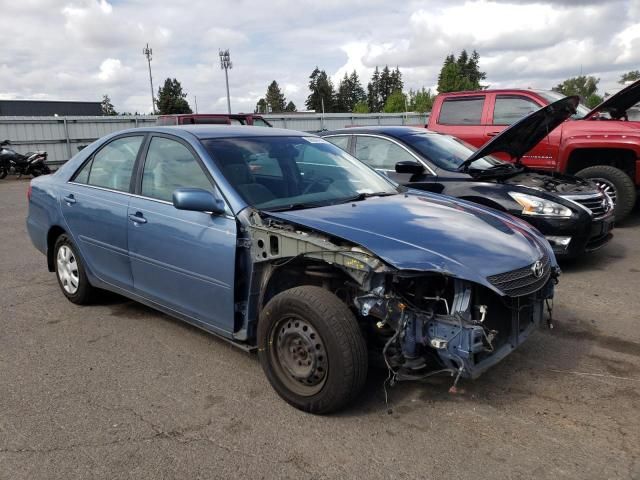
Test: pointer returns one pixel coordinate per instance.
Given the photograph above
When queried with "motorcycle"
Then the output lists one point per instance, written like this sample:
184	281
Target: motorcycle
31	163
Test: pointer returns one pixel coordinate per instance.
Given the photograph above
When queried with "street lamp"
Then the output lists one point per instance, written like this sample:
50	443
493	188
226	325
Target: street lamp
225	64
147	53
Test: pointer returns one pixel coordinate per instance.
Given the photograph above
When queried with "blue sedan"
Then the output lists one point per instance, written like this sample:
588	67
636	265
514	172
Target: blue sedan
281	241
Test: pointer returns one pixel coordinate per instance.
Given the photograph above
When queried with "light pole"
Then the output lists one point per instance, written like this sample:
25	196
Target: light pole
147	53
225	64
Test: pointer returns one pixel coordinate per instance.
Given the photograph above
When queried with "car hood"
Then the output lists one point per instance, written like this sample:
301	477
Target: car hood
525	134
426	232
618	104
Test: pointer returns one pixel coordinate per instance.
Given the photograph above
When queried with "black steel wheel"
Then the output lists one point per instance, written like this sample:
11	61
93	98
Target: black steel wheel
311	349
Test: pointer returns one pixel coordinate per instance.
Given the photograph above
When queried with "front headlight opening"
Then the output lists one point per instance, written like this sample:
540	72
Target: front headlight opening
532	205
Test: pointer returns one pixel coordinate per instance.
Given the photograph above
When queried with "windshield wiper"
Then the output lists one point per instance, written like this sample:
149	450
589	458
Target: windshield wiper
364	196
294	206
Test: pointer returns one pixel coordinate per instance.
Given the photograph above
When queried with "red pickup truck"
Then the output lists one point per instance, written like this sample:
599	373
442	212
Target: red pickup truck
601	144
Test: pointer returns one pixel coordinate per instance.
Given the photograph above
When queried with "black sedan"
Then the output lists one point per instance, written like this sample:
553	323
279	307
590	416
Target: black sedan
574	215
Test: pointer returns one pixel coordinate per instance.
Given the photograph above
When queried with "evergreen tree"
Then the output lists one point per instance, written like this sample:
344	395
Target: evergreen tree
462	73
357	92
171	98
386	87
396	80
107	106
275	98
291	107
321	89
373	92
343	95
261	106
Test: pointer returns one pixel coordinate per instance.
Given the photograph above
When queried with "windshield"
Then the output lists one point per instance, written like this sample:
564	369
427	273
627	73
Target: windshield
447	152
551	96
294	172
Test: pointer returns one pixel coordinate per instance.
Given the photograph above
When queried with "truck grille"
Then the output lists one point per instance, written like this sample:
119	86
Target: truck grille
521	282
596	203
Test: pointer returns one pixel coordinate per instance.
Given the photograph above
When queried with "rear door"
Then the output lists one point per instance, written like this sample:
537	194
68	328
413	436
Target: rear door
382	153
94	205
464	117
182	260
508	109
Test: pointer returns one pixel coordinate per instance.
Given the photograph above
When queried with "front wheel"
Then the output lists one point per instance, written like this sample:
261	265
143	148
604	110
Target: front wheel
617	184
3	173
312	350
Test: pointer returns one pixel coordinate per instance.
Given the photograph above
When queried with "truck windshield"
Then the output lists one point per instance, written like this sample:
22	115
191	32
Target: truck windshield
447	152
279	173
551	96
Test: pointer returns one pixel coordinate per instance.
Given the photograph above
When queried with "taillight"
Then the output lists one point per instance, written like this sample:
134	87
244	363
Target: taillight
29	192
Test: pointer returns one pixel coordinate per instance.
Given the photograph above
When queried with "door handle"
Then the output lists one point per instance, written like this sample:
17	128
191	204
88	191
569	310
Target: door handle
70	199
492	134
137	218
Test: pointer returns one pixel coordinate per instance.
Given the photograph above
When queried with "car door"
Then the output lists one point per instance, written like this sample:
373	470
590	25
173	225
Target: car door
464	117
94	205
382	153
508	109
180	259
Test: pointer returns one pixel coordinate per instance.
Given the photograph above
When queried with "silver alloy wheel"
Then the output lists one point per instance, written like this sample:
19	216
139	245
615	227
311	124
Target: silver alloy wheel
607	187
68	270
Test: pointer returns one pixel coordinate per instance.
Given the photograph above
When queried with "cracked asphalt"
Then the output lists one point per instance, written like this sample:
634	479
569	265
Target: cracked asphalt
117	391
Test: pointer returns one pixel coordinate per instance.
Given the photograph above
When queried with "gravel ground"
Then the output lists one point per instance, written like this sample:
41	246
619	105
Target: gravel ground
117	390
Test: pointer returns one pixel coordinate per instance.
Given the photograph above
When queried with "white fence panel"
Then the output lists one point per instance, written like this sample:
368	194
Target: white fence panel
61	136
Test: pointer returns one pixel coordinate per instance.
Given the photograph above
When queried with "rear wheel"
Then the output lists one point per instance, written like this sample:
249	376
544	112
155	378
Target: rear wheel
70	272
312	350
617	184
3	173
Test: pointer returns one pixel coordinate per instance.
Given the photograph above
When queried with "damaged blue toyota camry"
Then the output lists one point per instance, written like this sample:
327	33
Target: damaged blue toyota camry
279	241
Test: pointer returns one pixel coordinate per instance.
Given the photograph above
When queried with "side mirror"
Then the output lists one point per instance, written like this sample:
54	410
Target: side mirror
197	200
414	168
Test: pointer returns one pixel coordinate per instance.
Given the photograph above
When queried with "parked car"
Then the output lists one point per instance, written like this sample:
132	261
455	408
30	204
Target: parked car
601	144
312	261
573	214
213	119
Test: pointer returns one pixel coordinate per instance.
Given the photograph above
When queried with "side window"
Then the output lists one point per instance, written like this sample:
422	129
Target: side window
340	141
380	153
170	165
508	110
258	122
112	166
461	111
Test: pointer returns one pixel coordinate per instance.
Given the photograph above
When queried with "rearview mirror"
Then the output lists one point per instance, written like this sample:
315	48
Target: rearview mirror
197	200
414	168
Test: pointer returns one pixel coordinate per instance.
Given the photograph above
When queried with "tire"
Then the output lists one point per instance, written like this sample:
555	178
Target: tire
619	181
312	327
3	173
70	270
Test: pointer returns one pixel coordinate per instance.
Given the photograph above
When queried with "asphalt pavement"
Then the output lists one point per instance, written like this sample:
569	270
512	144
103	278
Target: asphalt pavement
118	390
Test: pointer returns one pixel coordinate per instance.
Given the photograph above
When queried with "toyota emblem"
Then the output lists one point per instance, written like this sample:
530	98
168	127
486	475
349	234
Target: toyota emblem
537	269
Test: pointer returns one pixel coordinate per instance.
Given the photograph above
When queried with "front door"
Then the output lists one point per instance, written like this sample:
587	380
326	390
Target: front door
182	260
94	205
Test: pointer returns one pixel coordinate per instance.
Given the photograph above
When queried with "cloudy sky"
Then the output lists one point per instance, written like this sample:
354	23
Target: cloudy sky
82	49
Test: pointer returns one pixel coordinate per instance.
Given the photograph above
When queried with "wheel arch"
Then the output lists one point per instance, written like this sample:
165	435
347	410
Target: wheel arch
52	235
621	158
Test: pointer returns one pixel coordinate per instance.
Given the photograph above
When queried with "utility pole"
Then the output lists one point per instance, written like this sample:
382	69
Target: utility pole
147	53
225	64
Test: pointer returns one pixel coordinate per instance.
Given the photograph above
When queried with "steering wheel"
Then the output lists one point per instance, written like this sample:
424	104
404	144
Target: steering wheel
321	181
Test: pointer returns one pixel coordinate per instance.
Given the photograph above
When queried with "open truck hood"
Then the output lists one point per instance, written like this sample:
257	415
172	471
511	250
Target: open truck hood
618	104
525	134
426	232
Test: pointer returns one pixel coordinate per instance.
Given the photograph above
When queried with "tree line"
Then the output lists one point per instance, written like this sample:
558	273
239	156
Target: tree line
383	93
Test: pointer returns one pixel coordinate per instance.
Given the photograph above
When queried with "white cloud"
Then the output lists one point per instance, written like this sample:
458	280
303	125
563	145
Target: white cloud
82	49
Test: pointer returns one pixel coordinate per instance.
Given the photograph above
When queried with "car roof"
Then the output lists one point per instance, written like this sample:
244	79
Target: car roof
394	131
206	131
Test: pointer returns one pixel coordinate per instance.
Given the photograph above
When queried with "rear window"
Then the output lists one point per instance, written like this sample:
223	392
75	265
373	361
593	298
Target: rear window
461	111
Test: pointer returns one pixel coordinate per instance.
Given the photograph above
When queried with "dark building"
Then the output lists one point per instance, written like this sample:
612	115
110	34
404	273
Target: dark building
47	108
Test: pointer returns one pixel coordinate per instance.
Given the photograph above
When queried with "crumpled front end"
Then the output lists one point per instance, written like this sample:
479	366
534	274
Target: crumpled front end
430	324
